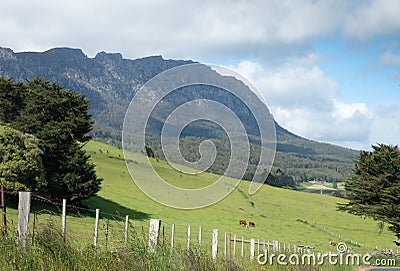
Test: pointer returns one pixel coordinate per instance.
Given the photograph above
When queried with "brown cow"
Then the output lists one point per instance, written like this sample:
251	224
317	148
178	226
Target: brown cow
334	244
243	222
252	224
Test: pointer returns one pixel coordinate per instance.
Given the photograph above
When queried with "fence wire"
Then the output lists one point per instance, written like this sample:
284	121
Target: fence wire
46	222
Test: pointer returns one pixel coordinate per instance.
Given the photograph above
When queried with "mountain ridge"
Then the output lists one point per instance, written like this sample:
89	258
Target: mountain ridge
110	81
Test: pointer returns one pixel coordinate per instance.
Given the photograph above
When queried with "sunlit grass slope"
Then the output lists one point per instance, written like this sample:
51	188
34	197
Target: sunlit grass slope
276	212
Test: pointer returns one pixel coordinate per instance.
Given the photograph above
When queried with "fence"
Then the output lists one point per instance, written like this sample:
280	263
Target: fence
113	231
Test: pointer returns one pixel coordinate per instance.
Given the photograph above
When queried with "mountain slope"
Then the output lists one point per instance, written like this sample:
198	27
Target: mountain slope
110	82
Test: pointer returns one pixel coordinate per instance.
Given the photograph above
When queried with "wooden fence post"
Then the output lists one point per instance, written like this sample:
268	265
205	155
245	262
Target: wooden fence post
33	228
154	232
242	246
276	246
96	227
200	237
126	227
188	238
225	245
64	219
252	249
24	206
214	244
172	235
234	244
163	236
229	245
107	225
3	210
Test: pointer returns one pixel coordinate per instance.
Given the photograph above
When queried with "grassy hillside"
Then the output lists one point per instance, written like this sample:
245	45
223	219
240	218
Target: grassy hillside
279	214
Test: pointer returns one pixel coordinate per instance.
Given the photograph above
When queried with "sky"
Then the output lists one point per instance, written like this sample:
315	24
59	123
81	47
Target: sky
329	70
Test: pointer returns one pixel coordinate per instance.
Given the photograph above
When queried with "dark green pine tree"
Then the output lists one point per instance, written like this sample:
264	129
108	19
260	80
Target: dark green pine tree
59	119
375	186
11	99
76	179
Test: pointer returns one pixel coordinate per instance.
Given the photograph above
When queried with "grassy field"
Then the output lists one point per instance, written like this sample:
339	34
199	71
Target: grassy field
288	216
276	212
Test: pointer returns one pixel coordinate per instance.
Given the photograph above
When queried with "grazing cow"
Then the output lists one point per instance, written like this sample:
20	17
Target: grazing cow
243	222
301	249
334	244
252	224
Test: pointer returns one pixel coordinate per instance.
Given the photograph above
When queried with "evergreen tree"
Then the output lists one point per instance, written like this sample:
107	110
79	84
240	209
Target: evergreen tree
11	99
149	152
375	186
59	119
280	179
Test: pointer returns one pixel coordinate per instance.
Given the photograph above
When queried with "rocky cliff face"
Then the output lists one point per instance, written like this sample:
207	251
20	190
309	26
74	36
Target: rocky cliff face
109	81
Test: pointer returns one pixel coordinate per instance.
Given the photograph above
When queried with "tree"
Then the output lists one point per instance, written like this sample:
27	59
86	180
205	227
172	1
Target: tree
21	166
11	100
59	119
76	178
279	179
375	186
149	152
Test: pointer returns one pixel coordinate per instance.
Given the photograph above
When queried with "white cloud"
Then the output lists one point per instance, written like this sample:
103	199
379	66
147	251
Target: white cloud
306	101
294	83
386	125
177	28
379	17
203	30
345	111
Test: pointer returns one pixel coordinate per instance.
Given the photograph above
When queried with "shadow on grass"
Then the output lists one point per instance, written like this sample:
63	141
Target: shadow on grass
108	208
112	210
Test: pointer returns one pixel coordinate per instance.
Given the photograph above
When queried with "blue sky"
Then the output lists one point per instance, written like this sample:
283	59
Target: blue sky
329	70
359	70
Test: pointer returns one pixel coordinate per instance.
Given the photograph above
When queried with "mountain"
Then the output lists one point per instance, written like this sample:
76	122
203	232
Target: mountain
110	82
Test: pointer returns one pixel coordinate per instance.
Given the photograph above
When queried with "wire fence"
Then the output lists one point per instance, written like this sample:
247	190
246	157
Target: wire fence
113	231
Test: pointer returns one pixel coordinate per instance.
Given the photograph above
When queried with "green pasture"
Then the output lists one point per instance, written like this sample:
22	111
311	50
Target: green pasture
274	211
288	216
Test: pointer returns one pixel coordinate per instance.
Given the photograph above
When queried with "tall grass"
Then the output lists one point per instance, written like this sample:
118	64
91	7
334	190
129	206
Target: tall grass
50	252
